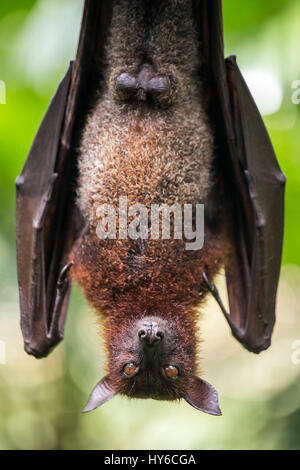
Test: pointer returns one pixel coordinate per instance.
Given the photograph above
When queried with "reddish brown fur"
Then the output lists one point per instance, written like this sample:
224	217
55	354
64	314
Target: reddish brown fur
160	279
124	275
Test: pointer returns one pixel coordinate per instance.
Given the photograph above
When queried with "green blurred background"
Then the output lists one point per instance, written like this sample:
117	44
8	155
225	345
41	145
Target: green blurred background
41	400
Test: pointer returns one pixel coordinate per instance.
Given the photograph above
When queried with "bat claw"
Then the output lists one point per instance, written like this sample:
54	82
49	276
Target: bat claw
63	274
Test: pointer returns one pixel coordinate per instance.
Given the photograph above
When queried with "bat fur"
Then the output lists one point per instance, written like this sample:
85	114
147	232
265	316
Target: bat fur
152	151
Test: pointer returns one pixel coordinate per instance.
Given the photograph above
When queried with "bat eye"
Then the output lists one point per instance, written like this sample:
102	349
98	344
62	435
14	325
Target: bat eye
171	372
130	369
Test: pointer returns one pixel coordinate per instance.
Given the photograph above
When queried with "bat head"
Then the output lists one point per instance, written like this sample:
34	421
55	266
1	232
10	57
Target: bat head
153	358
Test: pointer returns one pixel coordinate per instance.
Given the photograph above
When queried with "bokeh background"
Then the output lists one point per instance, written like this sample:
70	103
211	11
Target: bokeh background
41	400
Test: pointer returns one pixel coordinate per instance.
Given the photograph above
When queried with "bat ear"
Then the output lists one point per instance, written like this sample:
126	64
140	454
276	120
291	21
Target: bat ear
101	393
202	396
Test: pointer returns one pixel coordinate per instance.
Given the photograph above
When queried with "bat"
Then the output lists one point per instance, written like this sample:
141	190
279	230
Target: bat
150	114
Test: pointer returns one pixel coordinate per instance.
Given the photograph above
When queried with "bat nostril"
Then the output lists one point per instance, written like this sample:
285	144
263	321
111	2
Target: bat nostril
160	335
142	334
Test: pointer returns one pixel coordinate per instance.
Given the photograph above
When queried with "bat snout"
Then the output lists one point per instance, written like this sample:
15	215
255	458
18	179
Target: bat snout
150	334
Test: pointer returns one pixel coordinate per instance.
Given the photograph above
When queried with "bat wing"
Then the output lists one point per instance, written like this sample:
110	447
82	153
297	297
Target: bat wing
257	244
47	219
43	284
254	186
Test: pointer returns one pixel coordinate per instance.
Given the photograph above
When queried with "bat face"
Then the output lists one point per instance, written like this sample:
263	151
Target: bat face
151	361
